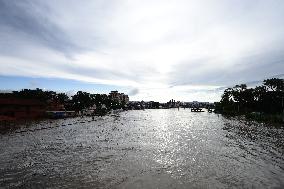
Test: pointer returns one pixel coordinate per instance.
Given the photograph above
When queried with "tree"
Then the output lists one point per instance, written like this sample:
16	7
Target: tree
81	100
227	95
62	98
266	98
274	84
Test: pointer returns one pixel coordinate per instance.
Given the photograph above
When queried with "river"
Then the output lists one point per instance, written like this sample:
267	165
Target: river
166	148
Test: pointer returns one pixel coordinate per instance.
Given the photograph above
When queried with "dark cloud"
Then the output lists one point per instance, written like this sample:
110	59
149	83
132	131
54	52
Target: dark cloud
27	20
195	73
220	44
133	92
260	65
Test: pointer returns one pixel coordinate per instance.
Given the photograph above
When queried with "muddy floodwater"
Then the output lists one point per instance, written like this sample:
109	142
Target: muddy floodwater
143	149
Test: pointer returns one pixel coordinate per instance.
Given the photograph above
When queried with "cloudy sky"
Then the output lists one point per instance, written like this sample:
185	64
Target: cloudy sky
152	49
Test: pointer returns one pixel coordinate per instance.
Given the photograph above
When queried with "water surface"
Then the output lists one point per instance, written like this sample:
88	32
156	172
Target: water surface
144	149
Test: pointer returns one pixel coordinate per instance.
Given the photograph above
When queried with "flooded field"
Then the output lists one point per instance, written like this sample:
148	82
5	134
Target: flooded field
143	149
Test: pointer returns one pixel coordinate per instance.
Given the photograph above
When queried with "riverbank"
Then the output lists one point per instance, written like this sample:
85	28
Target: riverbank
256	116
7	125
261	117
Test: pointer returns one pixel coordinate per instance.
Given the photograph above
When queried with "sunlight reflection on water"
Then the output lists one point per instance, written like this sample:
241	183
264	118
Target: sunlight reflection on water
143	149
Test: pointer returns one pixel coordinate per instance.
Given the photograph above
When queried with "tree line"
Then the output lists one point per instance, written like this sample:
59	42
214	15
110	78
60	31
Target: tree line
77	102
267	98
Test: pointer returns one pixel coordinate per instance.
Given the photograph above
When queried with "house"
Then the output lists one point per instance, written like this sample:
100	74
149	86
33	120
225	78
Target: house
16	108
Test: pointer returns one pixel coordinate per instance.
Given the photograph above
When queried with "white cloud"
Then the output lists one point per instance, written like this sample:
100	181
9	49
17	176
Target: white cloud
147	45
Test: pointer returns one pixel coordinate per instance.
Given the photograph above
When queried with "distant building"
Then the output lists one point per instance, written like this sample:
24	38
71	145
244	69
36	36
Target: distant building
150	105
16	108
54	105
124	98
114	95
173	104
119	97
196	104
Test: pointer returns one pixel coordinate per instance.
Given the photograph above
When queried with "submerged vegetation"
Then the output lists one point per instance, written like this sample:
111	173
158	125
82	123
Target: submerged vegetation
263	103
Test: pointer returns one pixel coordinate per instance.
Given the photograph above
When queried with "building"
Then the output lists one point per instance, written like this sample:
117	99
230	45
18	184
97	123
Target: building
124	98
173	104
196	104
151	105
15	108
114	95
54	105
119	97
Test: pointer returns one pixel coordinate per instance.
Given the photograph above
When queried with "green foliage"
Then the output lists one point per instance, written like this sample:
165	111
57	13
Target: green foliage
78	102
267	98
38	94
81	100
62	98
274	84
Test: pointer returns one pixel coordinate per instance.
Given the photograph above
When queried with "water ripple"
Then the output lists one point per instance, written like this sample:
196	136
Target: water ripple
143	149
